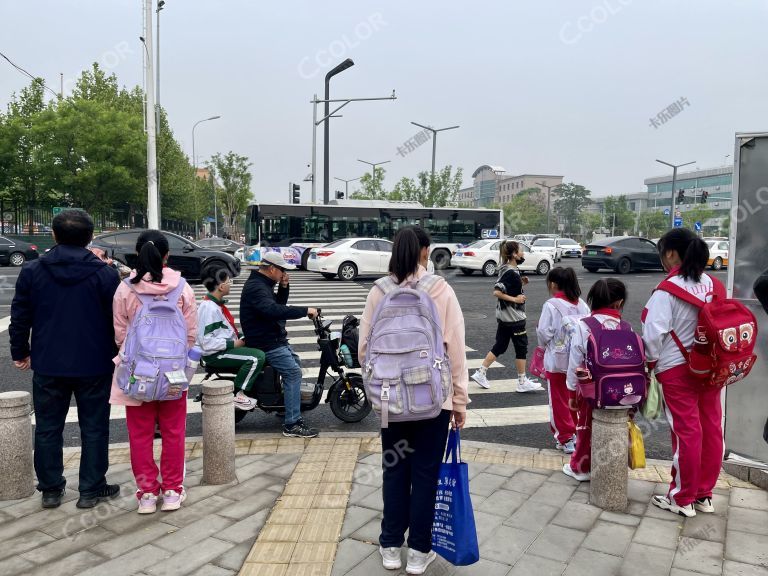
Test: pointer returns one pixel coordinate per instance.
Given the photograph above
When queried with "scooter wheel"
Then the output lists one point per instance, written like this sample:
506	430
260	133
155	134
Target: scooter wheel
350	405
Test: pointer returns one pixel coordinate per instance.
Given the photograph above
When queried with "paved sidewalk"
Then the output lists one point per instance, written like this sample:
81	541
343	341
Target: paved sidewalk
313	508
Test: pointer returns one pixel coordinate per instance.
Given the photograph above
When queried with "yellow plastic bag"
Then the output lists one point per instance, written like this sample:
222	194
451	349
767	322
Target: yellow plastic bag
636	447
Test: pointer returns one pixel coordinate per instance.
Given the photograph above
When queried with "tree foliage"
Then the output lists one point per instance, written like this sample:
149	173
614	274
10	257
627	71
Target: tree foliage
698	213
234	194
442	191
525	213
617	216
372	186
653	223
571	199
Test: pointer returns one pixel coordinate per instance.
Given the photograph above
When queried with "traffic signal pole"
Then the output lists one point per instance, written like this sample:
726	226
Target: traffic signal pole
674	182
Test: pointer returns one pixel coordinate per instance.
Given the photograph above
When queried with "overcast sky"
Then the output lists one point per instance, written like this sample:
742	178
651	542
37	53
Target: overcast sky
549	87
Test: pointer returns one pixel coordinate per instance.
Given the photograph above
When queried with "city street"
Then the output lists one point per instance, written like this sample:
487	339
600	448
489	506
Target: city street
497	415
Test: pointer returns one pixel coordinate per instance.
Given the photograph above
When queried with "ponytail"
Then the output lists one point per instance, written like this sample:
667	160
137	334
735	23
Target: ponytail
152	247
606	292
566	281
692	250
507	251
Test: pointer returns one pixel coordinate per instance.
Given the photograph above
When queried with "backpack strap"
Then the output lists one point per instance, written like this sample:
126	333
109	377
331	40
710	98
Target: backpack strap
386	284
593	324
427	282
172	296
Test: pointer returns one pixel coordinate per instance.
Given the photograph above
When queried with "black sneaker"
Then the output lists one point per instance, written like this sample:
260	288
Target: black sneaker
109	492
299	430
52	498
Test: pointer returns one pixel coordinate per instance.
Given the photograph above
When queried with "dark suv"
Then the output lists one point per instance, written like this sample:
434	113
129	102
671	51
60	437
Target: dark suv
185	256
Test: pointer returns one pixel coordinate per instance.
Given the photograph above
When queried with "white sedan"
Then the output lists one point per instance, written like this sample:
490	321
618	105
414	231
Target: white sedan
483	255
548	246
351	257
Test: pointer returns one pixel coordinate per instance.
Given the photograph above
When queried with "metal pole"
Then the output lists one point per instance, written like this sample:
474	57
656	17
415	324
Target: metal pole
157	110
674	180
194	178
326	135
549	190
194	157
434	152
314	148
215	208
153	220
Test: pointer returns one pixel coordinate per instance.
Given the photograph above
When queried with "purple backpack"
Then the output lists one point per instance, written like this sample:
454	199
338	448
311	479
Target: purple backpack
155	346
616	362
406	371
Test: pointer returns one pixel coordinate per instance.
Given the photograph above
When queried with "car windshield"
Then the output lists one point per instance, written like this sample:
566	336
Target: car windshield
544	242
480	244
568	242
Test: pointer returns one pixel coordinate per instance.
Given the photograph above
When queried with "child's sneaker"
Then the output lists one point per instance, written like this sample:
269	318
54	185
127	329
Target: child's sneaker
569	447
147	503
418	561
704	505
243	402
481	379
666	504
390	558
581	477
528	385
172	500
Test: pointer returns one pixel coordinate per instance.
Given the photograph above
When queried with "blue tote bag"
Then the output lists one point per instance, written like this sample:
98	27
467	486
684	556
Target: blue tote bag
454	536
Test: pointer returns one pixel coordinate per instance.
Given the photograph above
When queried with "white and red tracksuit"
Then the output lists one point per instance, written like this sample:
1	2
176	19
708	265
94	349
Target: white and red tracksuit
141	417
556	323
581	460
694	412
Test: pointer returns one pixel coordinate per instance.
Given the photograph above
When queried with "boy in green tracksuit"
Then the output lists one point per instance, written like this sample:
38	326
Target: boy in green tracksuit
220	341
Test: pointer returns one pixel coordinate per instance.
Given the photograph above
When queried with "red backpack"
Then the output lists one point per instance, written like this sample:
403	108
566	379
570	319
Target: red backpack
725	337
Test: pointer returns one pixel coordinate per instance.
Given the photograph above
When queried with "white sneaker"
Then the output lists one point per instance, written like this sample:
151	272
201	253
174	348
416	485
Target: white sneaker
480	377
147	503
418	561
390	558
243	402
666	504
704	505
569	447
568	471
528	385
172	500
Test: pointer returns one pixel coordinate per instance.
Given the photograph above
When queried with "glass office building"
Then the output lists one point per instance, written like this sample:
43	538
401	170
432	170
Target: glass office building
717	182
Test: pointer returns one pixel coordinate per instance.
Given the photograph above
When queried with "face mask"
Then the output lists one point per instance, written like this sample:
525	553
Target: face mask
520	260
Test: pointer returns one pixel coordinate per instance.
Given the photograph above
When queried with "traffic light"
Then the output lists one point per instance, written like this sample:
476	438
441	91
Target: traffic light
295	194
339	195
681	196
704	195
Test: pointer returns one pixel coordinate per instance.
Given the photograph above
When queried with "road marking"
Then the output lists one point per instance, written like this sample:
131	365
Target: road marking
4	323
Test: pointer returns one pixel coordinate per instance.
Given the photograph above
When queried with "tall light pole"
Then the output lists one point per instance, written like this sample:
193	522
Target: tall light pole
194	164
153	215
373	171
674	181
549	189
160	5
348	63
434	142
346	184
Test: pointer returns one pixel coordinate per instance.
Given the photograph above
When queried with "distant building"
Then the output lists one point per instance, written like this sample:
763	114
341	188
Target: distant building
492	185
717	182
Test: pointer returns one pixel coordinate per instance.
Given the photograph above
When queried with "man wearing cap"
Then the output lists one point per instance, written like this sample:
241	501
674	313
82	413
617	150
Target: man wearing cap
263	313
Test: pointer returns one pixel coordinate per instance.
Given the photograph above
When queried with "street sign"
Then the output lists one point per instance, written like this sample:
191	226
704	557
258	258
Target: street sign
697	226
678	222
667	212
59	209
489	233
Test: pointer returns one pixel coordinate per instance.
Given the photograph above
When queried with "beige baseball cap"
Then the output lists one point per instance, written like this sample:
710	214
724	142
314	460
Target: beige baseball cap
276	259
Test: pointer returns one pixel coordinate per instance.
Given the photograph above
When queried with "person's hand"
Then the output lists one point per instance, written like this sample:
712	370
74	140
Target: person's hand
284	279
239	343
520	299
23	364
311	313
524	280
572	405
458	419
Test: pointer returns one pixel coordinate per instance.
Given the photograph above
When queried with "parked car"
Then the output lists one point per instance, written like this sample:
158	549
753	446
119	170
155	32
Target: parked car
622	254
548	246
222	244
351	257
718	253
185	256
483	255
16	252
527	238
569	248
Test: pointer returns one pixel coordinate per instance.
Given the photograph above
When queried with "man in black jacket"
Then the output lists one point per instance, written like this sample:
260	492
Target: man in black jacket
262	316
65	300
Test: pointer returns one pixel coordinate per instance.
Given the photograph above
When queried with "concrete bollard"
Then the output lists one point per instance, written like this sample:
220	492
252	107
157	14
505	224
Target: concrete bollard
218	433
610	474
18	479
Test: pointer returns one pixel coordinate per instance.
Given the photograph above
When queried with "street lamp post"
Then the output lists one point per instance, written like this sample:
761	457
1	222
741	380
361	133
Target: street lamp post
434	142
373	171
549	189
194	163
674	181
348	63
160	5
346	184
153	216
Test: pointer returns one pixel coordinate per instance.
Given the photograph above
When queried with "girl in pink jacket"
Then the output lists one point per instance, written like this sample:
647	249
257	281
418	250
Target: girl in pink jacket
152	277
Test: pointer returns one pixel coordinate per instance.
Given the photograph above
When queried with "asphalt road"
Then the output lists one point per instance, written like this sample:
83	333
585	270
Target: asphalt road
474	293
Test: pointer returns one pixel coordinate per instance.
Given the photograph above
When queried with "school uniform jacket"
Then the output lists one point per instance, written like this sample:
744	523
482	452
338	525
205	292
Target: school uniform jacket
557	314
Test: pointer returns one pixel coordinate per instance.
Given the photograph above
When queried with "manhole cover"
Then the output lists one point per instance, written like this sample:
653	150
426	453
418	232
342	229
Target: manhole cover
474	316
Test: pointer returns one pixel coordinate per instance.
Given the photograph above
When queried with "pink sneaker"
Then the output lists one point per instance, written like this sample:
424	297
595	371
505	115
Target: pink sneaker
147	503
172	500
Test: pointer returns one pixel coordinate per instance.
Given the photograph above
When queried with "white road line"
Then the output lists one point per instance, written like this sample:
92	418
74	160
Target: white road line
4	323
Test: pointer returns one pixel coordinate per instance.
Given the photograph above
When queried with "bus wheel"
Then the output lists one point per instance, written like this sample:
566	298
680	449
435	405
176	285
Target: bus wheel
441	258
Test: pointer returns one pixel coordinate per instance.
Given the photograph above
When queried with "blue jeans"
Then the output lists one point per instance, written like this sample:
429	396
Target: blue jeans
288	365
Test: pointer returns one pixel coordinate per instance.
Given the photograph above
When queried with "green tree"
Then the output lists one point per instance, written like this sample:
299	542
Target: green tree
235	191
372	187
653	224
617	216
442	191
697	213
571	199
525	213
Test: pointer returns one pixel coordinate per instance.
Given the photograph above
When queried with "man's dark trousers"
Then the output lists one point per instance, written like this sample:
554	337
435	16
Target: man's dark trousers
51	397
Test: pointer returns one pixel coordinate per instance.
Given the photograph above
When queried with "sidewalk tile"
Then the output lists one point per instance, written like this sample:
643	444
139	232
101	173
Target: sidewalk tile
271	552
130	563
480	568
302	477
578	516
246	529
609	538
333	489
658	533
753	521
731	568
559	478
548	462
557	543
32	522
295	502
525	482
360	492
69	565
114	546
507	544
368	532
502	503
288	516
476	468
19	544
320	533
249	486
284	472
710	527
193	533
341	476
350	553
486	484
280	533
341	466
193	511
330	501
235	557
620	518
355	518
300	489
263	569
212	570
373	459
263	499
16	565
368	474
652	511
530	565
639	490
310	467
553	494
592	563
720	502
752	499
371	566
699	556
193	558
375	500
486	525
59	548
532	516
314	569
325	516
312	552
642	560
746	548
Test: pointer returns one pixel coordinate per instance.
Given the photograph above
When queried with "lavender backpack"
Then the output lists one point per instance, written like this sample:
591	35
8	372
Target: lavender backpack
616	362
156	344
406	371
